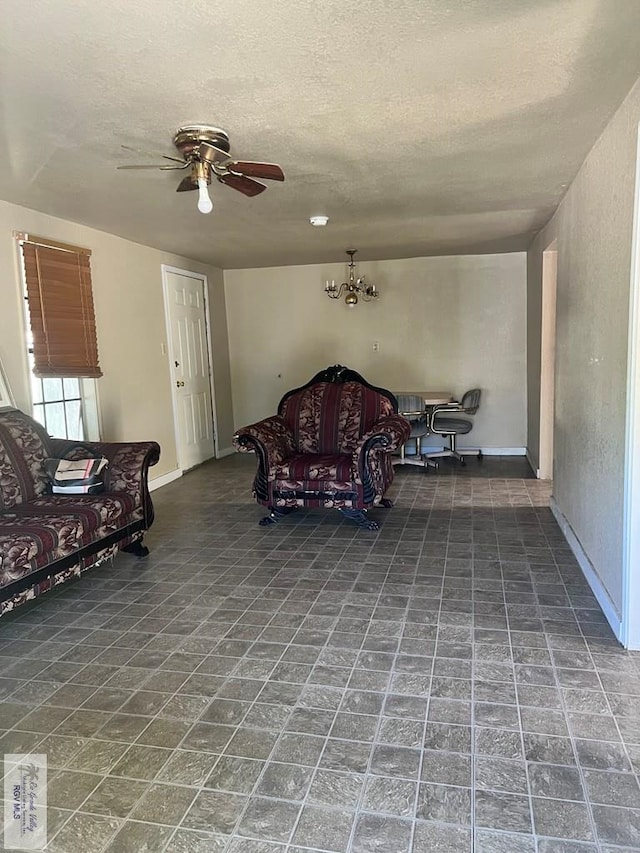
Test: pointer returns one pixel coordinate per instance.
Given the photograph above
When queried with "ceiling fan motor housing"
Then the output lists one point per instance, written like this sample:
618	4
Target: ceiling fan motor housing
189	138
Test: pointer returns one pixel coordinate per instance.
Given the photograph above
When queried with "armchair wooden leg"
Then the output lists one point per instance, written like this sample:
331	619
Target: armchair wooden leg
275	514
359	516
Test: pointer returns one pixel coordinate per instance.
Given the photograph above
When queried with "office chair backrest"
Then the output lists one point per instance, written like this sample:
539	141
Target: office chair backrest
471	401
411	407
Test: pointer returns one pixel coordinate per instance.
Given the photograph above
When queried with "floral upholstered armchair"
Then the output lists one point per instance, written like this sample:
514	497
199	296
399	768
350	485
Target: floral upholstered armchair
328	446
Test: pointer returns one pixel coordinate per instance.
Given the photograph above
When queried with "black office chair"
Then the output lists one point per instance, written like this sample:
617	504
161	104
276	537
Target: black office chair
412	408
451	427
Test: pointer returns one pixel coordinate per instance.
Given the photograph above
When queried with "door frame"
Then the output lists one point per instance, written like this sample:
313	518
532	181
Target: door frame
167	268
630	628
547	361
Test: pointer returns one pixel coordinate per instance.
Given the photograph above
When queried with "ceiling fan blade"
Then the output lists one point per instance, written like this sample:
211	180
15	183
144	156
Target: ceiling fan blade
242	184
146	153
270	171
211	153
186	184
182	166
155	166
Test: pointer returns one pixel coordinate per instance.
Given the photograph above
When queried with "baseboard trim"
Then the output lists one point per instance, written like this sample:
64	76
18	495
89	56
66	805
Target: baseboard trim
532	465
225	451
495	451
165	479
597	587
473	451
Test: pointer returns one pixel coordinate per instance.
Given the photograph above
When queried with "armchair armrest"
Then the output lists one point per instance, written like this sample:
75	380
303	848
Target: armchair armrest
128	467
270	438
389	433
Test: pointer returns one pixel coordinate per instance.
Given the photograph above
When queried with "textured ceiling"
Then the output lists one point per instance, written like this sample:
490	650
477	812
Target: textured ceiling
420	127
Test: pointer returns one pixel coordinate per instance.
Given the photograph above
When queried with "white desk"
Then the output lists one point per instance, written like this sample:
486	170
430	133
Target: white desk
431	398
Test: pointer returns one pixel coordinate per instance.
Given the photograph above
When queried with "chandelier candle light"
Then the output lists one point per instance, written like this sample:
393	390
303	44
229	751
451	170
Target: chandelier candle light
354	288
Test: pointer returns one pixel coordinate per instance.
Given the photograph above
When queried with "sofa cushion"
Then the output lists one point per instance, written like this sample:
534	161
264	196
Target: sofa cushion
51	527
24	446
330	418
314	466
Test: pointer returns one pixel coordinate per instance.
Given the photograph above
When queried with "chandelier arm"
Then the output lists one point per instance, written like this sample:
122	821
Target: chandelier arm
354	287
337	292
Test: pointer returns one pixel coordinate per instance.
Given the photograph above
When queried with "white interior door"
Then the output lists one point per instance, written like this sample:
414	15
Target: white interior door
190	366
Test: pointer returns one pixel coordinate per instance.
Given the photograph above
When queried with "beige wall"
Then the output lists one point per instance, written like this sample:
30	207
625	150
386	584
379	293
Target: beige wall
135	391
593	226
447	323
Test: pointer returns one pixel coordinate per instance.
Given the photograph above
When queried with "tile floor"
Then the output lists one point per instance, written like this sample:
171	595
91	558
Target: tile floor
447	684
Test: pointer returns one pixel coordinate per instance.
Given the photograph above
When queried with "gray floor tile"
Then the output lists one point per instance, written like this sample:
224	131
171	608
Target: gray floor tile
440	838
495	810
195	841
375	833
331	788
325	829
391	796
617	825
232	773
444	803
115	797
501	774
141	837
285	781
141	762
562	819
185	767
215	811
556	845
332	689
163	803
555	781
271	820
67	789
489	841
85	832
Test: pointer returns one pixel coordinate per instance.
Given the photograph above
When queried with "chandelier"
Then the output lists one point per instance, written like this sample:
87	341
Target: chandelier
354	288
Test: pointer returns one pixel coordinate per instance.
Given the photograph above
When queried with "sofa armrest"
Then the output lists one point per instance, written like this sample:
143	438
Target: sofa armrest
388	434
128	467
270	438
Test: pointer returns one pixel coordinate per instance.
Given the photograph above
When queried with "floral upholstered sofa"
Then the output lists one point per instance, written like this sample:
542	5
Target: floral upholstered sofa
328	446
46	539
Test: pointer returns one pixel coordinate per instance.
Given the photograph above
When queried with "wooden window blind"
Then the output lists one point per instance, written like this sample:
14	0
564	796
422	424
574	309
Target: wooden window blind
60	299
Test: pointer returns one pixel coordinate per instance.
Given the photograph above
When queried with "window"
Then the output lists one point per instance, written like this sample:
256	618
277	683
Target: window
58	406
61	337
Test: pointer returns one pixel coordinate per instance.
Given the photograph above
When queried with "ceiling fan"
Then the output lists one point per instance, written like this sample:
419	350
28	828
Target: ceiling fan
205	151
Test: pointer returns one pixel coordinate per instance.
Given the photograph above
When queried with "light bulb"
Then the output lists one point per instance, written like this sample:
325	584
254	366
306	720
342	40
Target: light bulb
205	205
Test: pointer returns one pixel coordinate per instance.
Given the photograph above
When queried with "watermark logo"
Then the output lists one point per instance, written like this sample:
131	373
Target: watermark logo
25	801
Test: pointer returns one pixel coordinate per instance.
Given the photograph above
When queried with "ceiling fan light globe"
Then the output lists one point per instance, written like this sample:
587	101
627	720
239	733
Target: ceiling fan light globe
205	205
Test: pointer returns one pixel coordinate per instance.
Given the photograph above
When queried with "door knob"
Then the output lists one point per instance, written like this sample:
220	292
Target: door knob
179	384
